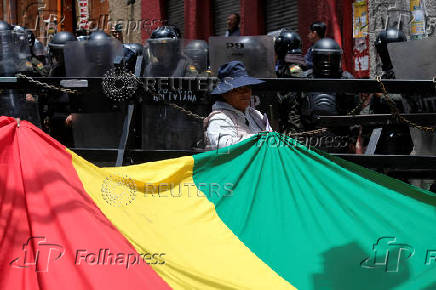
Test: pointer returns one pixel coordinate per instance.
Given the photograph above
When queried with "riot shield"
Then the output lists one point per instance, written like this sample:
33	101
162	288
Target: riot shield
13	103
91	58
414	60
97	121
256	52
8	54
167	59
98	129
198	52
24	55
165	127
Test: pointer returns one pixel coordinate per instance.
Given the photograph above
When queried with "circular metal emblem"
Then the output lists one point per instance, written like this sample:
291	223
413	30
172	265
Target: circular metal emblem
118	191
119	85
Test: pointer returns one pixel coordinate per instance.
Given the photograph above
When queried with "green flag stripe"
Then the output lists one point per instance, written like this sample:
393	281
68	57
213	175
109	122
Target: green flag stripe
319	221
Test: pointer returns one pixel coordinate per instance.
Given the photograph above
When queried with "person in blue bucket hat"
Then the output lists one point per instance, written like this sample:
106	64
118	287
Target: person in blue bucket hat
232	118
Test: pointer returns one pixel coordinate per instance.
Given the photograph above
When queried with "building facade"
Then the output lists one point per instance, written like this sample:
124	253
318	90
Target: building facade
197	19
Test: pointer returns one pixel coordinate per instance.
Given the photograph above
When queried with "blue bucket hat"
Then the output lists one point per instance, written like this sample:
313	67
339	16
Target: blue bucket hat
233	75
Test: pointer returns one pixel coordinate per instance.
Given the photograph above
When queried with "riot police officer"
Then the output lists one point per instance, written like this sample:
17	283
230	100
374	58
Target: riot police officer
58	104
131	52
8	56
290	64
290	61
96	121
56	52
9	104
381	44
167	61
23	49
326	56
394	139
164	127
13	55
39	67
198	52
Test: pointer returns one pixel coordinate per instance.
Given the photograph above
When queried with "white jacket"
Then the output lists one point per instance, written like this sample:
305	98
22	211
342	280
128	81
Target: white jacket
227	126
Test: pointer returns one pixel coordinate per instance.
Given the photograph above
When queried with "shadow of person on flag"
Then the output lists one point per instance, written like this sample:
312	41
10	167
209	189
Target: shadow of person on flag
343	270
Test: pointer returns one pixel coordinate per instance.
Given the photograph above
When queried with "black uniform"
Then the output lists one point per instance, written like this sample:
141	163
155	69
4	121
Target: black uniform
13	60
58	104
290	64
395	138
327	56
163	126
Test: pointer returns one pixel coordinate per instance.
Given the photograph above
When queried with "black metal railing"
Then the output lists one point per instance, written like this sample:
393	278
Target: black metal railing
415	165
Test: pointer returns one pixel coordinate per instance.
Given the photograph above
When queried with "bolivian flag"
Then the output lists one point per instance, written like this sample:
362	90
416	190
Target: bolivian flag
266	213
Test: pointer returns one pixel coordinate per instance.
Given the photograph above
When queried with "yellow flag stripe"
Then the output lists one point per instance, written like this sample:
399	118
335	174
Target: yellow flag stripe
158	208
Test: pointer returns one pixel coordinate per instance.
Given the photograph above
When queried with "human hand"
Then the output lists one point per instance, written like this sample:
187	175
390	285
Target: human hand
69	120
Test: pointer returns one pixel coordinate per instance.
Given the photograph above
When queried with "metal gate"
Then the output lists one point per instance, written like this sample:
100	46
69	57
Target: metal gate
281	14
176	14
221	10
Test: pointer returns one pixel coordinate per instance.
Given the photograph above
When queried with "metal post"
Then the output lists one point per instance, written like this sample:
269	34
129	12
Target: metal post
124	136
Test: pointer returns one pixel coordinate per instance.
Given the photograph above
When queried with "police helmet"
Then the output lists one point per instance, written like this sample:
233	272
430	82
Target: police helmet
383	38
326	54
166	32
98	35
60	39
288	42
4	26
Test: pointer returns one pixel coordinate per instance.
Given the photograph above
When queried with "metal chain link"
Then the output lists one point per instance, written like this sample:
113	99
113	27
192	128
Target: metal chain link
187	112
308	133
45	85
177	107
357	108
200	118
396	113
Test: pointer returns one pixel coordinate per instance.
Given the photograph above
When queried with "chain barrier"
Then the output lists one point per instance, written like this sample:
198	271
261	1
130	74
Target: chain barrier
358	108
201	118
396	113
45	85
187	112
119	85
175	106
308	133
